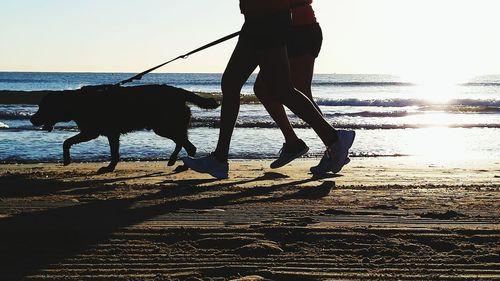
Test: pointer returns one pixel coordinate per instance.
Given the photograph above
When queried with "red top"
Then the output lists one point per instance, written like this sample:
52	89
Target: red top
302	12
263	7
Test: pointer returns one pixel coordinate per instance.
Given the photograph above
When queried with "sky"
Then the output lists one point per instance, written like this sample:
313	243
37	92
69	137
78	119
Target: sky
420	39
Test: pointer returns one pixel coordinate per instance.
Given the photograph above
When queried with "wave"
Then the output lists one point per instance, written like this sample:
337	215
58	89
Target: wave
216	82
481	84
314	83
23	80
368	114
361	84
353	102
271	125
23	115
15	115
34	97
212	122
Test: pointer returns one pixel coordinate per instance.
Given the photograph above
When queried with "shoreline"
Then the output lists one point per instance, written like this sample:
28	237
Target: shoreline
471	170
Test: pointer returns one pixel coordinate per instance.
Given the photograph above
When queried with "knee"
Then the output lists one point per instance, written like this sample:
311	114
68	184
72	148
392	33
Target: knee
269	91
279	93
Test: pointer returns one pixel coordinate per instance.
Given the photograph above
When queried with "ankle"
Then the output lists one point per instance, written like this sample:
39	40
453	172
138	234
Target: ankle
332	138
292	140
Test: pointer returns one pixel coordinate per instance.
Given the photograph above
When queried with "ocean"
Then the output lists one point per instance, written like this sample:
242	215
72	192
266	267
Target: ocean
392	118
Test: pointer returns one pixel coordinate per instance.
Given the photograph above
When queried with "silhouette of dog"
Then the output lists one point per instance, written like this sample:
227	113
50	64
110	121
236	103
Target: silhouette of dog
112	110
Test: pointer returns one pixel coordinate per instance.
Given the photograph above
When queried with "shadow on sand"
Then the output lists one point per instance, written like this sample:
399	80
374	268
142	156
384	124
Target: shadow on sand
32	241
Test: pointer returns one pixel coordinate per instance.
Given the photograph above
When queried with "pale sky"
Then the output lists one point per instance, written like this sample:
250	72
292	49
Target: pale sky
416	38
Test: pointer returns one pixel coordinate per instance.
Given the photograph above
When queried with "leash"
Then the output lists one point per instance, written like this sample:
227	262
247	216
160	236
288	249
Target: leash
218	41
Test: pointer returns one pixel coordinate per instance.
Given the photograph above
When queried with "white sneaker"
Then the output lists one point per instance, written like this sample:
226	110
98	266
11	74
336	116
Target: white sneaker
208	165
336	155
288	153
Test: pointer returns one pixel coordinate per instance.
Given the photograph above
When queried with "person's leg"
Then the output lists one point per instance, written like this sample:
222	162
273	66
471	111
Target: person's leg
302	70
275	110
275	69
293	147
242	63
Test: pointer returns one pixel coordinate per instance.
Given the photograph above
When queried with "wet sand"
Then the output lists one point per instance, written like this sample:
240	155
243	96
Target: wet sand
381	219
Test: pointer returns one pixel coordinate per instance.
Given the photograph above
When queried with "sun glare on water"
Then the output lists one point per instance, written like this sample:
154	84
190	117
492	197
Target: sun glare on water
436	90
439	145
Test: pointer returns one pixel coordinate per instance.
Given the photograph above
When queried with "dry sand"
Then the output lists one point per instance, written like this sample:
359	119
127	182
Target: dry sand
381	219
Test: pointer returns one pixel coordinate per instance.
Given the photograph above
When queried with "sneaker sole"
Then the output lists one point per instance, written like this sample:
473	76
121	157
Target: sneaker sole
298	155
351	135
347	161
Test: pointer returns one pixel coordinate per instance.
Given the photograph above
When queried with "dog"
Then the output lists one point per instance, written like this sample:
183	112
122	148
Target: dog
113	110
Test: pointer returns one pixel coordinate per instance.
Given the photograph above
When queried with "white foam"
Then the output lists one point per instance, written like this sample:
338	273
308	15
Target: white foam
3	126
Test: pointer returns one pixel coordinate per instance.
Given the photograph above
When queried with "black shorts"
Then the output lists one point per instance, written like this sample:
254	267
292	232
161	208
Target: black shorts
268	31
305	40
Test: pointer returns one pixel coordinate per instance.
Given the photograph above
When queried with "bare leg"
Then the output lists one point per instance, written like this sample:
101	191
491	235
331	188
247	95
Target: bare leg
275	109
242	63
302	69
274	65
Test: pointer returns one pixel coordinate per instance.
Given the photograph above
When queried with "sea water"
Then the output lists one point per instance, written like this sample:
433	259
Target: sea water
392	117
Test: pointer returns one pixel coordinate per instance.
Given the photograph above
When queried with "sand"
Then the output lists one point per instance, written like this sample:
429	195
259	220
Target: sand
380	219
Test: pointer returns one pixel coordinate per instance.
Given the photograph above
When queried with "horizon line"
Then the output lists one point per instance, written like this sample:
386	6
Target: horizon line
132	73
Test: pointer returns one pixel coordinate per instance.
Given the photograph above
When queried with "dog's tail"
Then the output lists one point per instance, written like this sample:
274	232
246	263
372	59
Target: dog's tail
202	102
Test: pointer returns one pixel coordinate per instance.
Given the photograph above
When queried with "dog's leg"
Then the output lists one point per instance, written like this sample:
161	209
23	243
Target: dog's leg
173	157
81	137
190	149
114	145
179	142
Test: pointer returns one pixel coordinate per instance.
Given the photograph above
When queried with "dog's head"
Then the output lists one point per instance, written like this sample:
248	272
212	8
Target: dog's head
53	108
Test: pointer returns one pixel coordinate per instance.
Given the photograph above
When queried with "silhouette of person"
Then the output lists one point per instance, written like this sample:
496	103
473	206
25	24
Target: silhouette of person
262	43
303	47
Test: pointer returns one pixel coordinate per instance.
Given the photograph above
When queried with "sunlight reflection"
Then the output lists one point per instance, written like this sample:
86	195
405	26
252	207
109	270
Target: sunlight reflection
436	92
438	119
438	144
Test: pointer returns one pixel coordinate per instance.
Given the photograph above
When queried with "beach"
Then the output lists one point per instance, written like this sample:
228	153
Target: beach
420	199
407	93
381	218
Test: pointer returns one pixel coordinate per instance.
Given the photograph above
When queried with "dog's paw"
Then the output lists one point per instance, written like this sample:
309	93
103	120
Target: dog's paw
66	162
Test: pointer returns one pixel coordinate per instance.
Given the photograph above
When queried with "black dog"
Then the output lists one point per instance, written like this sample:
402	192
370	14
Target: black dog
112	111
